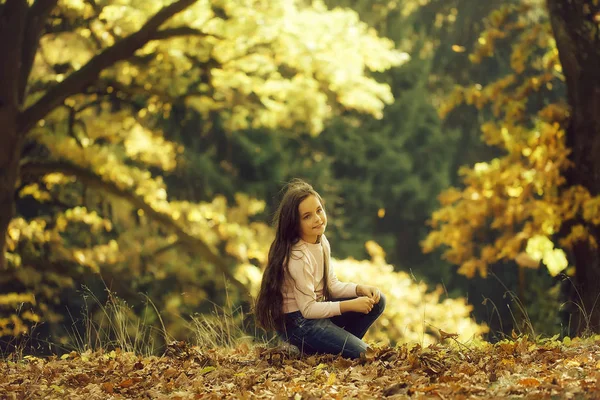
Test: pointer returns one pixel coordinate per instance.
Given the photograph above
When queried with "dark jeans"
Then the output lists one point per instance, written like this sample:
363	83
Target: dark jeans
341	334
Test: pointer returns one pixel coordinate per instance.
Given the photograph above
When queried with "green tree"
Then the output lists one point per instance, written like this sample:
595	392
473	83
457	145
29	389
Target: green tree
91	84
440	37
526	206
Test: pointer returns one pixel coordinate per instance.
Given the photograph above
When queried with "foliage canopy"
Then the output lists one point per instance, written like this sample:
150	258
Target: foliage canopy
512	207
104	78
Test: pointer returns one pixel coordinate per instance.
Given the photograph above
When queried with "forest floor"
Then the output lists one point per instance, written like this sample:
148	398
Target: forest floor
520	368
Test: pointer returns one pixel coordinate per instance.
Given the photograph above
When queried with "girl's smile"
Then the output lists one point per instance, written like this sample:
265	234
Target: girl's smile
313	219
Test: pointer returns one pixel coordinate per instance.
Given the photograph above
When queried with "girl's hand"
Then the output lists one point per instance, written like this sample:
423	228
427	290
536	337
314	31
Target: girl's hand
362	305
370	291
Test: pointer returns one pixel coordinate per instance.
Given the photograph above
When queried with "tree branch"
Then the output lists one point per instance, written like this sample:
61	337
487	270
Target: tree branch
36	21
192	243
160	250
78	80
55	25
133	90
180	31
130	90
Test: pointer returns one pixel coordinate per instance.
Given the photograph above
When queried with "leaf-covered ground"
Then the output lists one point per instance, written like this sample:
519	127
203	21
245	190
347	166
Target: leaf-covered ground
516	369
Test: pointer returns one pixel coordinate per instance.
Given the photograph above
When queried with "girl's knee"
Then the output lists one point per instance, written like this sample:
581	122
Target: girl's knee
354	350
379	307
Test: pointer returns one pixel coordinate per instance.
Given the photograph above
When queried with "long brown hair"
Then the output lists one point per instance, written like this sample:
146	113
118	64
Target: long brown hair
268	309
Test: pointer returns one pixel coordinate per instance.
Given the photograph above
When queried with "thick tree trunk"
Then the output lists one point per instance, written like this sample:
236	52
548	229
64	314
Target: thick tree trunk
578	40
13	17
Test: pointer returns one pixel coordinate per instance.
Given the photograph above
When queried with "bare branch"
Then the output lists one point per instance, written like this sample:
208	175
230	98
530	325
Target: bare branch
78	80
192	243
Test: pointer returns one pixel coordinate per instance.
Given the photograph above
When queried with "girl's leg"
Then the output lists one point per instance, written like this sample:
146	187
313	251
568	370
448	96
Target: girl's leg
358	323
313	336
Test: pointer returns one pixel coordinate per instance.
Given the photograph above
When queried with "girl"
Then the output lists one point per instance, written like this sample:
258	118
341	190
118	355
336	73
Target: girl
300	296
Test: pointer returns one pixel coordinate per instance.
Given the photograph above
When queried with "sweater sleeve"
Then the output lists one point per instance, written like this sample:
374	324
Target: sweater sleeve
336	288
304	292
339	289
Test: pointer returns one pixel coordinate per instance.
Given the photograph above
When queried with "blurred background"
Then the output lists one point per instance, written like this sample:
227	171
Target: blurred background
432	129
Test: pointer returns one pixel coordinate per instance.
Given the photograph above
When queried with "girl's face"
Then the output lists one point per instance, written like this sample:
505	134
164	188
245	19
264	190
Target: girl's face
312	219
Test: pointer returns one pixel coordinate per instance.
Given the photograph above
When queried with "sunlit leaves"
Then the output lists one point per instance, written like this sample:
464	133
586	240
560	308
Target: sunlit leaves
514	196
540	248
60	55
73	9
14	299
80	214
411	307
511	207
292	58
151	149
281	64
126	18
36	192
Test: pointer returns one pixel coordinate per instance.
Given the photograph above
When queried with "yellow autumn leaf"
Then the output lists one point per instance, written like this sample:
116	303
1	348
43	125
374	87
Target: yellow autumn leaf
331	379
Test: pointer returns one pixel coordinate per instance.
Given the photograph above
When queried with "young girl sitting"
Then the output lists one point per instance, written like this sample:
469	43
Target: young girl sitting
300	296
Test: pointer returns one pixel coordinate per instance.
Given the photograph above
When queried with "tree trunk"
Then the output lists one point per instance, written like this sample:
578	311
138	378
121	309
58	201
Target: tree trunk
577	37
13	16
9	170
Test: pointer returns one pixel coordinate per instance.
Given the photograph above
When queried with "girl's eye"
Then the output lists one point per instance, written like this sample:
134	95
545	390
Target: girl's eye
319	211
306	216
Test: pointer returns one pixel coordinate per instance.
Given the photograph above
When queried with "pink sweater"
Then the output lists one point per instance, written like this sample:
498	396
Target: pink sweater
306	268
